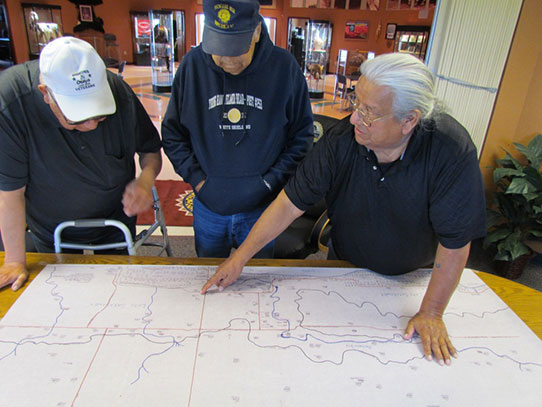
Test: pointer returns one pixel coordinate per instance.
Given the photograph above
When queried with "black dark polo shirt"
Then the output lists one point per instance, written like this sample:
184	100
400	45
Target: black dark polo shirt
68	174
389	218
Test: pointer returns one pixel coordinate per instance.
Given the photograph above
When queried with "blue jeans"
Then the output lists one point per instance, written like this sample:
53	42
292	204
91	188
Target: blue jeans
215	235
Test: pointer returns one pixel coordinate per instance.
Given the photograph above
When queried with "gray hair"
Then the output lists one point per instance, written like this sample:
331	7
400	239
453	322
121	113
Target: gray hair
410	81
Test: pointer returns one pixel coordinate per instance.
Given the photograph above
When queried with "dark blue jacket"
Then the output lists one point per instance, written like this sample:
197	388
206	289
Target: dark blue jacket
244	134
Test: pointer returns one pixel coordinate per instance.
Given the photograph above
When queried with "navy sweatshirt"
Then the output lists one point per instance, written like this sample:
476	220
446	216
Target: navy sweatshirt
243	134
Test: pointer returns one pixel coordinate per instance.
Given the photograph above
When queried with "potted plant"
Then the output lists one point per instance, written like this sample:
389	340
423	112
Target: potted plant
515	217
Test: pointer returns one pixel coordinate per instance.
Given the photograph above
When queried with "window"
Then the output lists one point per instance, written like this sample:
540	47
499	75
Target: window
200	21
271	24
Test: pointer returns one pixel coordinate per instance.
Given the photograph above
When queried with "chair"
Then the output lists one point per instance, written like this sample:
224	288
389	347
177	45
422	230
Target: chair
130	244
121	68
341	90
111	55
310	232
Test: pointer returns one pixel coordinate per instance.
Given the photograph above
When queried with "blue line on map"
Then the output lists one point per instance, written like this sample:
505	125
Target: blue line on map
396	338
520	364
31	339
173	342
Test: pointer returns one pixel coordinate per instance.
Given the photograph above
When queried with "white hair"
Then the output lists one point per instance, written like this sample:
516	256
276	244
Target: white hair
409	80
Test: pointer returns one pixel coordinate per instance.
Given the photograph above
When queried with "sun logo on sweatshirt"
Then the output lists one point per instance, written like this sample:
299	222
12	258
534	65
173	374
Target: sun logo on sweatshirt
234	115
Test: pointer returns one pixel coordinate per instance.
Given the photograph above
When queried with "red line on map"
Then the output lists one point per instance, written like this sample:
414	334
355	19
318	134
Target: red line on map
88	369
108	301
196	352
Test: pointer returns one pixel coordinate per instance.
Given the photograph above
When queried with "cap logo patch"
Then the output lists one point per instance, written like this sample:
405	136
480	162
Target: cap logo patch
82	80
224	14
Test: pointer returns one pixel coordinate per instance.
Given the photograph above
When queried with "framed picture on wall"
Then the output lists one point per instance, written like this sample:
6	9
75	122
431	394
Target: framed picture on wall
373	5
356	30
390	31
85	14
419	4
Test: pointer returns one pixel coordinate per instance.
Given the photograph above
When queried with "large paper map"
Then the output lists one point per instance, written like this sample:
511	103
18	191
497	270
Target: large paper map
112	335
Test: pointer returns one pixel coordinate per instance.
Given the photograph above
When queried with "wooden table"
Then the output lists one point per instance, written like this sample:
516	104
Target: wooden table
524	301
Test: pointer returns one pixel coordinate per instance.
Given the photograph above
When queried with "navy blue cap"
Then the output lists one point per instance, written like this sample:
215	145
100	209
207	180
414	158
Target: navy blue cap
229	25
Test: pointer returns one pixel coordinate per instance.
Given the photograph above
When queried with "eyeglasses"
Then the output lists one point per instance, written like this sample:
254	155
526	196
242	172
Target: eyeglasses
68	121
365	118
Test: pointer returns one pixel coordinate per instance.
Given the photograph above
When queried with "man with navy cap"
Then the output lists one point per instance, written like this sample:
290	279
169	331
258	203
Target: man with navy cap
238	123
69	130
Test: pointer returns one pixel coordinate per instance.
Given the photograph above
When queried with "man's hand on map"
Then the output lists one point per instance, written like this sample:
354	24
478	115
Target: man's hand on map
14	274
226	274
434	336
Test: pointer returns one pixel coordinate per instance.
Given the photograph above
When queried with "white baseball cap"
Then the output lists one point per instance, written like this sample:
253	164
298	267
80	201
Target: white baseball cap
76	76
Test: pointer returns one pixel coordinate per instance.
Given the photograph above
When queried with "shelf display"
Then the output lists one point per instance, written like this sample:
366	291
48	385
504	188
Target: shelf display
43	24
141	36
317	44
296	39
141	39
412	40
349	61
161	47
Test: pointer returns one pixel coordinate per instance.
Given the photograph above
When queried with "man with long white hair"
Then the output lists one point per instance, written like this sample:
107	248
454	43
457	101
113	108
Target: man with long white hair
403	189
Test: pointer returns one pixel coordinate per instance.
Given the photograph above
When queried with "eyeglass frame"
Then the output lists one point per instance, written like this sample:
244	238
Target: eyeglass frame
68	121
365	119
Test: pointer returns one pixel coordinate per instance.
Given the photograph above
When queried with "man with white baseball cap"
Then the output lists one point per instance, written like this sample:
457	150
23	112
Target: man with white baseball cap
69	130
76	77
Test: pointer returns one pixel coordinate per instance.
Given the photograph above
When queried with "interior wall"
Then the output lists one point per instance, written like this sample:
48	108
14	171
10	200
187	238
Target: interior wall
116	17
114	13
378	20
517	115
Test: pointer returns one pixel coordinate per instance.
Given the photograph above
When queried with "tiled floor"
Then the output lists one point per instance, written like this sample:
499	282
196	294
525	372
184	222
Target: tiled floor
139	78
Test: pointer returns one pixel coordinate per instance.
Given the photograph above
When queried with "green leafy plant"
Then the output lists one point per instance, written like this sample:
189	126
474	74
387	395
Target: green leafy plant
515	217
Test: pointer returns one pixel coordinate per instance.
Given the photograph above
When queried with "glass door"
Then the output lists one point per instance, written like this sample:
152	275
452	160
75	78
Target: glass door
6	53
141	37
180	37
317	56
296	39
43	24
162	46
412	40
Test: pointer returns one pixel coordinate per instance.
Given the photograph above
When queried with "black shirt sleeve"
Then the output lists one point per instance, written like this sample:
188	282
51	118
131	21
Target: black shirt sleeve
13	156
314	176
457	205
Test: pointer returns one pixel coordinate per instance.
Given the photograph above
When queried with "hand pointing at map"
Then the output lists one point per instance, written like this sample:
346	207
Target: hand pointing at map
225	275
274	220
